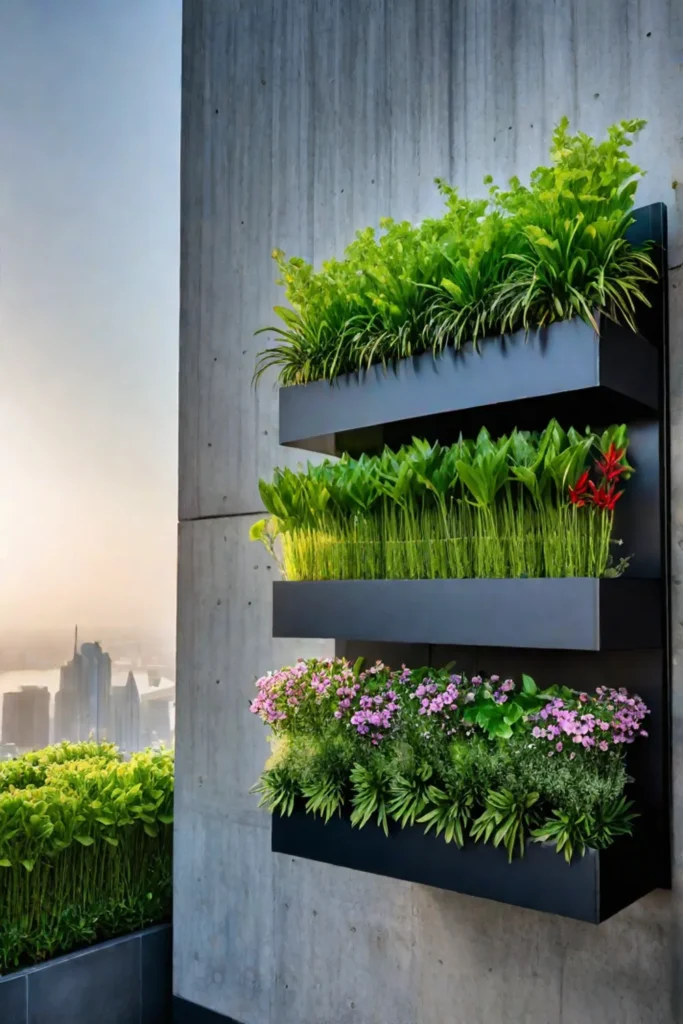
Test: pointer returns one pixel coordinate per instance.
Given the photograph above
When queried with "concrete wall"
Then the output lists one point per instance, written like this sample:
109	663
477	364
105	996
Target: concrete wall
303	120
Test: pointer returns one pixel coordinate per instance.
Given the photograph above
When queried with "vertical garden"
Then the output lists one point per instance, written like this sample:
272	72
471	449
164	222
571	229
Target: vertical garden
494	385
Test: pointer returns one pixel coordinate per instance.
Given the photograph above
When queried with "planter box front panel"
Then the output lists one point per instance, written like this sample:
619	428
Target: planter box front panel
562	614
358	411
591	888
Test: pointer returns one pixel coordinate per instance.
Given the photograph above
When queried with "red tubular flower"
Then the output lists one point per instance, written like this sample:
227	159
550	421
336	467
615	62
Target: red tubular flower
604	497
611	468
577	494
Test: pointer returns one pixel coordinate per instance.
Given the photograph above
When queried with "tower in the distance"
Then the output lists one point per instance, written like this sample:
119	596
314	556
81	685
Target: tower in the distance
83	701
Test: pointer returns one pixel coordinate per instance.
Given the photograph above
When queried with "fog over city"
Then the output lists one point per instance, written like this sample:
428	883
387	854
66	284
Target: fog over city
89	107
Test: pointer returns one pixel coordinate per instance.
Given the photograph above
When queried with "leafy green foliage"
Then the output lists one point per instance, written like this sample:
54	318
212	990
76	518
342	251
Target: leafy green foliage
31	768
410	795
611	820
278	791
572	831
523	257
449	814
465	757
506	819
515	506
85	848
371	794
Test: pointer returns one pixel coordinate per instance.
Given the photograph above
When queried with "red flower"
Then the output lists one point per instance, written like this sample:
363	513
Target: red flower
578	493
604	497
611	468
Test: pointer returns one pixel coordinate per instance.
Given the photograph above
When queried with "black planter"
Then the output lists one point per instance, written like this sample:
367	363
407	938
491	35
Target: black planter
430	397
591	888
521	380
126	979
561	614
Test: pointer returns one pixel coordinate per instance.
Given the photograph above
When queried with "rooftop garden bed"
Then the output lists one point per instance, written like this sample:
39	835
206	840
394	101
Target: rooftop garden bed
85	848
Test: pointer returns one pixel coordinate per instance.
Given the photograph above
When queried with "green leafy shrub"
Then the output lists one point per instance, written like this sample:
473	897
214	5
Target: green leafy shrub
85	848
466	757
524	505
523	257
31	768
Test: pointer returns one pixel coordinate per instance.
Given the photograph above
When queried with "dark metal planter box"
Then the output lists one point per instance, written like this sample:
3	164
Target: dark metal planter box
387	406
591	888
117	982
565	614
521	380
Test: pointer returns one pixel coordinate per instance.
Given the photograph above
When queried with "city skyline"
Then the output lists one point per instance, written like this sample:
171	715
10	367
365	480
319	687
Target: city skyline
87	704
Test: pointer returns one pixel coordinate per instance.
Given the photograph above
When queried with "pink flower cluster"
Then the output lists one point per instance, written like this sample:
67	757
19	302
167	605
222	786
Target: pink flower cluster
286	694
370	702
433	702
374	716
503	692
312	695
442	697
602	722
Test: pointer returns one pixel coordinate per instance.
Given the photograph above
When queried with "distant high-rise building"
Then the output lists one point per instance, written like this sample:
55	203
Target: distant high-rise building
82	704
155	717
26	717
125	715
96	668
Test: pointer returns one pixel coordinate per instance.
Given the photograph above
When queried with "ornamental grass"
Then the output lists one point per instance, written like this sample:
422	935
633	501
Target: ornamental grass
473	759
526	505
522	258
85	848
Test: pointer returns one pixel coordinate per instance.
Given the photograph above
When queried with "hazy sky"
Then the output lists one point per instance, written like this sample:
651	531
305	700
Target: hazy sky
89	165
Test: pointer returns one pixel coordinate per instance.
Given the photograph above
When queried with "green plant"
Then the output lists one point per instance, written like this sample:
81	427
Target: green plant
412	747
371	794
521	505
85	851
278	791
449	814
410	794
507	819
31	768
523	257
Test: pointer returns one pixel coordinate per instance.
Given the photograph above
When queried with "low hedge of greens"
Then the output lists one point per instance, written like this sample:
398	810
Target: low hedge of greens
525	505
480	759
85	848
521	258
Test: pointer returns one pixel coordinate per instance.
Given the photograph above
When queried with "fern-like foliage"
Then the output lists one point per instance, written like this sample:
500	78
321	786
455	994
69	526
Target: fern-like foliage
448	813
278	791
410	795
507	819
371	795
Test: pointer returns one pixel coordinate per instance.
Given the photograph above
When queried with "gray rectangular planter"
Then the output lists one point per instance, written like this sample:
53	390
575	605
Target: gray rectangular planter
122	981
358	409
578	614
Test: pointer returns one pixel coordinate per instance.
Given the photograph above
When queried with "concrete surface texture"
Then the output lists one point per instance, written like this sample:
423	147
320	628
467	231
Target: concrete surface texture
302	121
